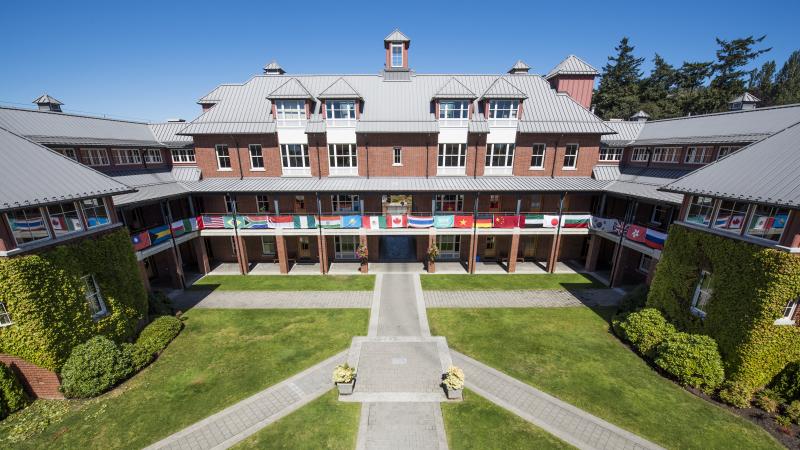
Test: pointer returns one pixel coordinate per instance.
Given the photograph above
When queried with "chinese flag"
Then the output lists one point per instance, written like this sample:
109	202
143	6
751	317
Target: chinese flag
506	221
463	222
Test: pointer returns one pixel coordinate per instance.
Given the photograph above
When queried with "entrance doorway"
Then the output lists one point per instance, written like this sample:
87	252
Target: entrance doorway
303	248
398	248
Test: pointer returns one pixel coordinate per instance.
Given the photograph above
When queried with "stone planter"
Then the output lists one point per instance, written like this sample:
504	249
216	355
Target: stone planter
454	394
364	267
346	388
431	267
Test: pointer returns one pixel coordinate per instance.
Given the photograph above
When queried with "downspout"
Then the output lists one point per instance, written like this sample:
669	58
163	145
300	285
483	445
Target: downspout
324	251
558	229
475	162
366	146
427	156
319	163
238	158
168	217
555	156
236	228
629	213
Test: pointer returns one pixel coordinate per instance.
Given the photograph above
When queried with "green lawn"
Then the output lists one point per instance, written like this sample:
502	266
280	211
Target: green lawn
325	423
570	353
284	283
221	357
477	423
508	282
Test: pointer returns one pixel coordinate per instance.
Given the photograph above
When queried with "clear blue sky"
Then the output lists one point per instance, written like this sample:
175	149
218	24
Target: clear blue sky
153	60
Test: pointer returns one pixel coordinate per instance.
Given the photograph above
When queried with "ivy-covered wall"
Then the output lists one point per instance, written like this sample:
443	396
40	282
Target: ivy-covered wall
44	295
751	285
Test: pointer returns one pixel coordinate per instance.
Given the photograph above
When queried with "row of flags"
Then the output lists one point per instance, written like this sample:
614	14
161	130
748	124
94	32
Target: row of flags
162	233
637	233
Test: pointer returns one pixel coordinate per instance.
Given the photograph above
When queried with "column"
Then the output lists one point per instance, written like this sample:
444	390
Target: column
175	269
201	255
512	253
473	253
362	240
431	242
322	249
143	275
592	253
554	250
241	255
616	269
283	258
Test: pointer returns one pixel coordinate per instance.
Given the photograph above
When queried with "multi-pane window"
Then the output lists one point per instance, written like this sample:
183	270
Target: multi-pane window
340	112
702	294
448	202
5	318
494	203
449	246
153	156
230	203
223	157
294	155
397	159
183	155
397	55
256	157
452	155
659	215
299	203
610	154
64	218
68	152
665	154
768	222
700	209
95	157
345	247
500	155
27	225
730	216
503	109
787	315
94	297
262	203
537	156
291	112
454	112
345	203
644	263
639	154
571	156
127	156
699	155
95	211
342	155
725	151
268	245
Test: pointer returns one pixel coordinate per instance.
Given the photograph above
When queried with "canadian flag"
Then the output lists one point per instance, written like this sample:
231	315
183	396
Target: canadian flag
399	221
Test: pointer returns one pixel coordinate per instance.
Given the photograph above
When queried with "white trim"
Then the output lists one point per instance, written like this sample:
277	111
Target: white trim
391	55
639	154
94	295
538	147
574	164
183	155
700	292
5	317
253	157
227	155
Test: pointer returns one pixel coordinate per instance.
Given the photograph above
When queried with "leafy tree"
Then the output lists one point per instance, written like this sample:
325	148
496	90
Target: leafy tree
692	76
732	59
656	92
617	95
787	82
762	83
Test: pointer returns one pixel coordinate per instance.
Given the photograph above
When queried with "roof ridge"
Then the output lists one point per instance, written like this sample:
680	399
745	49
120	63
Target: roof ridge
64	114
742	111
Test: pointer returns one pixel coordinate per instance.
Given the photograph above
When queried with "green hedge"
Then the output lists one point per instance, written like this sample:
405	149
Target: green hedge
12	396
646	329
93	368
158	334
693	359
751	286
44	295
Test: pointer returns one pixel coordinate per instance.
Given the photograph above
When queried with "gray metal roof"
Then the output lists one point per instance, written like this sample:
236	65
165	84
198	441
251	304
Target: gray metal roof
339	89
478	124
502	89
32	174
643	192
274	67
396	36
726	127
291	89
519	67
316	125
46	99
145	194
152	185
167	134
606	172
396	184
53	128
454	89
572	66
186	173
642	182
394	126
764	172
627	131
746	98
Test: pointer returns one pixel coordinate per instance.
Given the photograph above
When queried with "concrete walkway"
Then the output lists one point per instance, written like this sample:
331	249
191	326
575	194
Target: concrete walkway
237	422
568	423
522	299
272	299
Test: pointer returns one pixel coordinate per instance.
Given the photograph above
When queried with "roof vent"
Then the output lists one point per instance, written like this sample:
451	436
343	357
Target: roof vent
640	116
745	101
47	103
273	68
176	120
519	68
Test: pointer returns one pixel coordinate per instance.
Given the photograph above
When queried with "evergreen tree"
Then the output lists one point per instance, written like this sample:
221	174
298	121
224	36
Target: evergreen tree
656	92
787	82
732	59
617	96
762	83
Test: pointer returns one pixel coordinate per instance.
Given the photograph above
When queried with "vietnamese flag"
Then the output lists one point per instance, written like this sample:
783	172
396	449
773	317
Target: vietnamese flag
396	221
636	233
463	222
506	221
484	221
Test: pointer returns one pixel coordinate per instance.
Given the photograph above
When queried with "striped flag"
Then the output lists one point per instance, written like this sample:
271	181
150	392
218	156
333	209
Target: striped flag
330	221
351	221
484	221
444	221
305	222
576	221
654	239
140	241
159	234
396	221
533	221
256	222
373	222
280	222
29	225
420	221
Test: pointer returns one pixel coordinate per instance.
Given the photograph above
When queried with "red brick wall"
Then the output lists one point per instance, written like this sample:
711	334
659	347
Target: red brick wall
38	381
381	155
588	154
206	157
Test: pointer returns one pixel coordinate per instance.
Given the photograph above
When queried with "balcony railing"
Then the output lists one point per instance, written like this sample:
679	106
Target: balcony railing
637	233
163	233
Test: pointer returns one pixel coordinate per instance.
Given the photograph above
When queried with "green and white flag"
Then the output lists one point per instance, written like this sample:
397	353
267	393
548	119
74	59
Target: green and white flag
534	220
305	222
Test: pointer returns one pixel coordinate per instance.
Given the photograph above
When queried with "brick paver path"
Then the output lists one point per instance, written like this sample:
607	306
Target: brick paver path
405	425
561	419
521	299
273	299
241	420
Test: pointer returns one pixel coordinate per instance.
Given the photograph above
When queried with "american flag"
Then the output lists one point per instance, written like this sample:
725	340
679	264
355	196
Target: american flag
213	222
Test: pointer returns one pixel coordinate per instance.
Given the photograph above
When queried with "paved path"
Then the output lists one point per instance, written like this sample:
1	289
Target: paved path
521	299
273	299
245	418
416	426
401	311
560	419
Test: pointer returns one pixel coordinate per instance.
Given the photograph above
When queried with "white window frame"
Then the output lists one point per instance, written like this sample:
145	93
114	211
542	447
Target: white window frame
611	154
340	113
702	295
256	157
262	204
440	200
538	152
230	203
90	207
95	157
505	107
183	155
68	152
397	156
339	203
94	297
290	113
289	162
342	244
268	245
726	150
449	152
644	263
449	246
730	212
343	159
754	217
153	156
698	155
454	113
126	156
786	319
59	212
654	215
639	154
571	152
665	155
392	55
5	317
499	159
223	153
10	219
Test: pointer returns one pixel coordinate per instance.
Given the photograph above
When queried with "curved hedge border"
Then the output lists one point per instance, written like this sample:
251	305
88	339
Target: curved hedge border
45	297
751	286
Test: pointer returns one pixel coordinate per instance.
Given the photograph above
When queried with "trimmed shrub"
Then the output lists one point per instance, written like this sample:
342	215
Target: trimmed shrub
158	334
793	411
93	368
159	304
12	395
736	394
693	359
787	383
646	329
768	400
137	355
616	325
633	300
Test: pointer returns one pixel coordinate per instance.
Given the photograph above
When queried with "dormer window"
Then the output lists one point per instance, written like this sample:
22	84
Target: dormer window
397	55
340	112
454	112
290	113
503	109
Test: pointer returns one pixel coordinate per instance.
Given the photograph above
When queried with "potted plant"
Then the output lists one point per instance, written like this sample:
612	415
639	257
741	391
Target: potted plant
344	377
433	253
453	381
363	256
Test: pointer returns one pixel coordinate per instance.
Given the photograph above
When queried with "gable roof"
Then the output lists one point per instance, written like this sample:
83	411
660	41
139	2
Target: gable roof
572	65
339	89
627	131
167	134
44	99
763	172
292	89
746	98
32	174
501	88
274	67
454	89
396	36
520	65
642	182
